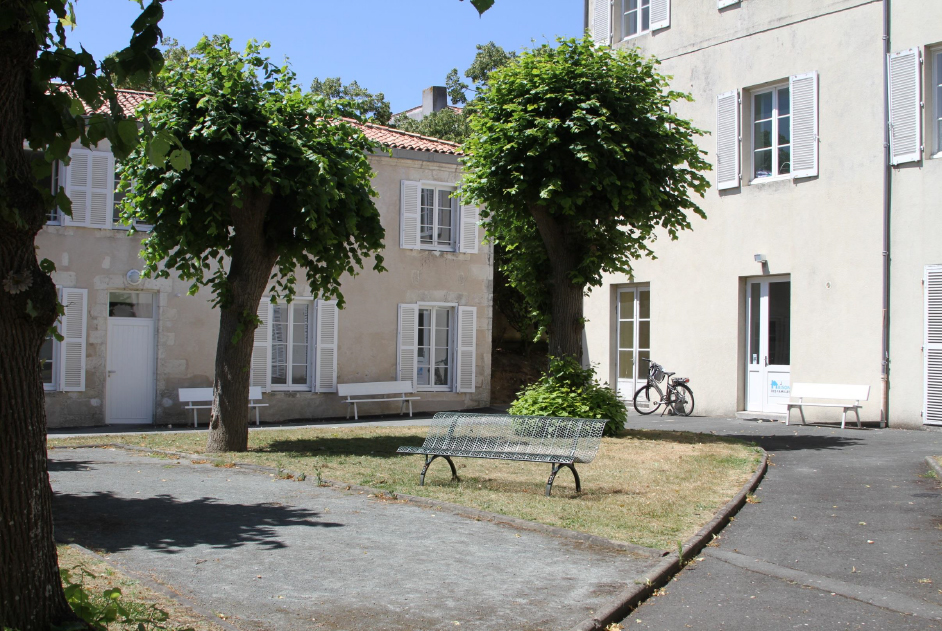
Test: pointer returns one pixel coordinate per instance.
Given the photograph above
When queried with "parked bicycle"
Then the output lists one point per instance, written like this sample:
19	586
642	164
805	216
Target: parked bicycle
677	397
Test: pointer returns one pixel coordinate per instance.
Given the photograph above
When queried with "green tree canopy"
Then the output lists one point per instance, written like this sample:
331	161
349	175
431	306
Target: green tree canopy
279	180
578	160
367	104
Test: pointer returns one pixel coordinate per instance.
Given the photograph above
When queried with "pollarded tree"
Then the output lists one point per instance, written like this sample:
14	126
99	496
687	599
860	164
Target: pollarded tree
279	182
578	160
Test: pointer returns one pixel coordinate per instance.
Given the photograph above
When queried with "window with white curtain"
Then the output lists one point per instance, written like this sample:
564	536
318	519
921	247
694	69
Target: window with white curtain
771	136
435	355
291	326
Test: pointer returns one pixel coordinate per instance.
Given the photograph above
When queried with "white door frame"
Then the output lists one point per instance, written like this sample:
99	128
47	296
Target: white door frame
760	374
626	388
151	387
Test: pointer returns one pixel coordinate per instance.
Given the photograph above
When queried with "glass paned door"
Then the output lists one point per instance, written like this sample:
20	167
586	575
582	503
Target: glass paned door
768	352
633	339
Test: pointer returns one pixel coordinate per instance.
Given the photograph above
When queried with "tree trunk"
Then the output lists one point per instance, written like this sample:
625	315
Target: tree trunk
249	272
566	320
31	596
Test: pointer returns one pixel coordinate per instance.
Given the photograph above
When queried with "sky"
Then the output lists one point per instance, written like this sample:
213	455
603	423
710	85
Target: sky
397	47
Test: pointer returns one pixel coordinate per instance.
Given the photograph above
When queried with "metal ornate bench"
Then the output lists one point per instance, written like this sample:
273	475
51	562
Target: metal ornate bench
561	442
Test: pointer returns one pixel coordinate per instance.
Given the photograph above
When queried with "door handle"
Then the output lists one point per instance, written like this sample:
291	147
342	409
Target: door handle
766	358
111	372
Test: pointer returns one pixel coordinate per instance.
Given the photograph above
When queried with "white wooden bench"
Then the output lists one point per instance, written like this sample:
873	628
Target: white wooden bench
380	391
848	397
205	395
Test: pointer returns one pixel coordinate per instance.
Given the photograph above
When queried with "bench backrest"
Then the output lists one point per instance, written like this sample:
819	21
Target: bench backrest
830	391
578	438
202	395
377	387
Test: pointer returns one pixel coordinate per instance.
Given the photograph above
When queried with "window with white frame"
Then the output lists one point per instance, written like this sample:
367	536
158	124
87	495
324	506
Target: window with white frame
431	218
937	97
437	346
48	362
771	135
295	346
636	17
437	217
435	354
291	345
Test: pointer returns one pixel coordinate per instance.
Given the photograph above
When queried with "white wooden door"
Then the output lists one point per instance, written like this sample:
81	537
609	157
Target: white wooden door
768	352
131	365
633	339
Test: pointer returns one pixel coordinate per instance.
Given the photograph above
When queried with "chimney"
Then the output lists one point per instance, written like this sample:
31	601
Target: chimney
434	99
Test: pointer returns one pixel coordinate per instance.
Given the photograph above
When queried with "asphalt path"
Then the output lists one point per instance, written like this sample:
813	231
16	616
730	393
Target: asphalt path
845	533
277	554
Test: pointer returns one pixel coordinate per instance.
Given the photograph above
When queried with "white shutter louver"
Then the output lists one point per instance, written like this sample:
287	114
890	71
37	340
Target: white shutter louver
727	140
101	189
409	215
933	345
326	351
72	377
261	360
720	4
77	185
905	137
467	331
602	23
408	343
469	229
803	89
660	14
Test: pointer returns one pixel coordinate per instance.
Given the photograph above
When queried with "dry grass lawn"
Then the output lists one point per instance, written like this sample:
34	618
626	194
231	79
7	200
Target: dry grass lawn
135	596
645	487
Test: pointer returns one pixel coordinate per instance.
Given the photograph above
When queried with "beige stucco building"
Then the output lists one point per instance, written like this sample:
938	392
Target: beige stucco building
130	344
786	280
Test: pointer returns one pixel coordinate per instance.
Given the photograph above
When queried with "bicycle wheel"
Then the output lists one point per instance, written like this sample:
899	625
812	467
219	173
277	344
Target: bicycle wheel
647	399
683	400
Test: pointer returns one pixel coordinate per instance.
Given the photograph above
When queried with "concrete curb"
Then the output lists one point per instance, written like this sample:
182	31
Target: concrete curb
633	596
153	585
934	466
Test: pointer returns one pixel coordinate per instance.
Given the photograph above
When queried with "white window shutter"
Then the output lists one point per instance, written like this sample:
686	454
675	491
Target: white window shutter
72	347
803	89
905	114
408	344
467	332
326	352
78	186
602	23
727	140
933	345
101	189
261	354
409	215
470	218
660	14
725	3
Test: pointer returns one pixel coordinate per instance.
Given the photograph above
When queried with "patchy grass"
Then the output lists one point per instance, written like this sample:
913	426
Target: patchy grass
645	487
137	598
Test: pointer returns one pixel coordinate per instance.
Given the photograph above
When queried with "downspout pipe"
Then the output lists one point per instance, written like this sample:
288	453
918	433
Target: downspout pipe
887	173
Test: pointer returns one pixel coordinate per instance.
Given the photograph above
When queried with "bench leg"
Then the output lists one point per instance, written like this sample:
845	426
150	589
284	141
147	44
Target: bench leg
843	418
802	411
410	408
857	412
402	407
429	460
552	478
256	418
356	415
194	418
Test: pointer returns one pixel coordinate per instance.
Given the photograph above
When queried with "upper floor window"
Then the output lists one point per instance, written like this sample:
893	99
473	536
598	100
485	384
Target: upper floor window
431	218
437	218
636	18
771	113
48	356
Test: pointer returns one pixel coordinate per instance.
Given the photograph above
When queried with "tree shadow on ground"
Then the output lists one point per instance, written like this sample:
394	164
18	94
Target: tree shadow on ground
70	465
163	523
769	442
373	446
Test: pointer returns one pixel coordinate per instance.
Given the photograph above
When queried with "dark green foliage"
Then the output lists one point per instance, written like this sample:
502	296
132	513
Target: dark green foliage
368	105
583	139
489	58
252	132
446	124
567	389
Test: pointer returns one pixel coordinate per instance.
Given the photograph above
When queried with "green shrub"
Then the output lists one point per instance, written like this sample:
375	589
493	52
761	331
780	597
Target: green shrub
567	389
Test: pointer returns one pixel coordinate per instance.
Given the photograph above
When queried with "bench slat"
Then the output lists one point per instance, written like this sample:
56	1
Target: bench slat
830	391
378	387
